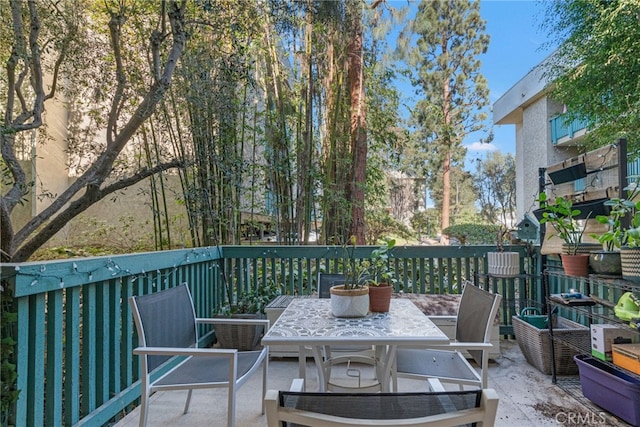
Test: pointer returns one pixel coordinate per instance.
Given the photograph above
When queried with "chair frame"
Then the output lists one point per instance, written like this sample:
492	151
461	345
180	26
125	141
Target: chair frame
480	350
484	415
149	379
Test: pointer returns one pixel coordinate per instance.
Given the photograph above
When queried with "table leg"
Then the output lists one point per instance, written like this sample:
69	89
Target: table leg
387	358
317	357
302	365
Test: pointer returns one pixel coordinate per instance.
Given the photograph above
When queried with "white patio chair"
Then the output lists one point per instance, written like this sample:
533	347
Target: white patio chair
434	409
167	327
474	323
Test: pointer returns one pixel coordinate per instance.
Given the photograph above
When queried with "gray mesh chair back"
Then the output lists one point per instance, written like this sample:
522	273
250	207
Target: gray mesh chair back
475	318
467	408
326	281
167	328
167	320
447	363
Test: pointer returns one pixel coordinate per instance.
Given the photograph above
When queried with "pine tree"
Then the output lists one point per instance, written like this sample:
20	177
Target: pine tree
442	45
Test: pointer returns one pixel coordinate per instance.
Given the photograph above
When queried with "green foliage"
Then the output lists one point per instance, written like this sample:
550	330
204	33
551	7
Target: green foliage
381	225
426	222
8	376
562	216
617	234
472	234
377	267
252	301
495	182
442	46
597	66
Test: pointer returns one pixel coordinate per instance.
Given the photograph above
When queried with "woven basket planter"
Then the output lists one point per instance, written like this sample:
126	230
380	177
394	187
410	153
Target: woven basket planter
571	338
630	261
240	337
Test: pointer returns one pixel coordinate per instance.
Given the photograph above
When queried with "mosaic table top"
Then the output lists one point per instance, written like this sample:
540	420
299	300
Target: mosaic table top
309	321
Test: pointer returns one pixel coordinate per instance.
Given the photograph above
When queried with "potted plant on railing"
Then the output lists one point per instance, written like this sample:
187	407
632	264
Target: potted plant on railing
623	231
248	305
501	263
564	219
351	299
380	277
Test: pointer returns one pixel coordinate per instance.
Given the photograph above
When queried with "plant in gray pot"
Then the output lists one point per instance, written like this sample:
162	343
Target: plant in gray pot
621	240
248	305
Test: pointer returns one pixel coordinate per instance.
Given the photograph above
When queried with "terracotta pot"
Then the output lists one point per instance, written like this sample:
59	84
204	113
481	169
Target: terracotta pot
349	302
380	297
575	265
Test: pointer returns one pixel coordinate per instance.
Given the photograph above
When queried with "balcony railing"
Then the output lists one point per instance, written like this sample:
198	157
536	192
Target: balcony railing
75	333
561	129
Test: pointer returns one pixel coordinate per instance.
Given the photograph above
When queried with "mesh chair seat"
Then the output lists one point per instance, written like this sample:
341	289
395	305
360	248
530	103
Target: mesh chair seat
203	371
435	363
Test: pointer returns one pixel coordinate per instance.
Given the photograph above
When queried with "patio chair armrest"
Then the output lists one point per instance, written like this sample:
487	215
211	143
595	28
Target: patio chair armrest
232	321
181	351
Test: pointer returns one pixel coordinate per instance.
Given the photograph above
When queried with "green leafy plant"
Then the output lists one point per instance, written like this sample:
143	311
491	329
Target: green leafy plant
377	266
563	217
354	273
617	235
371	271
8	375
472	234
251	302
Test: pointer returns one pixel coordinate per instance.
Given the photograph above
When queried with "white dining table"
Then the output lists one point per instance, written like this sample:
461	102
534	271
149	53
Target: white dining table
309	323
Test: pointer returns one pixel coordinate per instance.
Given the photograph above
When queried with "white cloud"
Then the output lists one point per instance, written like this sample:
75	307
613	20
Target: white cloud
480	146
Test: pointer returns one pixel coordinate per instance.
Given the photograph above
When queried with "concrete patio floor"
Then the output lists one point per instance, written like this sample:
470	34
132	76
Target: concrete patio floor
527	398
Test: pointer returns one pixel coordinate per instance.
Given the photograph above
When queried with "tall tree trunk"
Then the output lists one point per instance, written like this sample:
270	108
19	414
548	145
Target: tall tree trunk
446	195
357	129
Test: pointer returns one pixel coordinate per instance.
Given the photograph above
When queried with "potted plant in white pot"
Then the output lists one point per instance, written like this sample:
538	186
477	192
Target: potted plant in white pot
503	263
351	299
564	219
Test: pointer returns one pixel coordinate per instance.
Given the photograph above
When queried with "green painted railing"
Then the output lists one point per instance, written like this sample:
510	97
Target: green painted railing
75	333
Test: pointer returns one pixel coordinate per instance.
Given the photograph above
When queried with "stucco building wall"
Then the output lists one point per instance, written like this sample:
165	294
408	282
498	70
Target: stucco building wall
527	106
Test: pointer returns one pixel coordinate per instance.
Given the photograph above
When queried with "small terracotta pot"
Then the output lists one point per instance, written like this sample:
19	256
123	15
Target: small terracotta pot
576	265
380	297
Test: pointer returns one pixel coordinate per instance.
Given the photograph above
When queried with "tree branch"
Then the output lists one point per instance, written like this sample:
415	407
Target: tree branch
100	170
92	195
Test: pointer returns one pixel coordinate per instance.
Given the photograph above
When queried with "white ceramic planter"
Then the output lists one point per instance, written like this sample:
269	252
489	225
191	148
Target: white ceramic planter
503	264
349	303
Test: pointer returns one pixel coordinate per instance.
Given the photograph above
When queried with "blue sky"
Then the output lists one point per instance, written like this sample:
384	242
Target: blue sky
516	46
